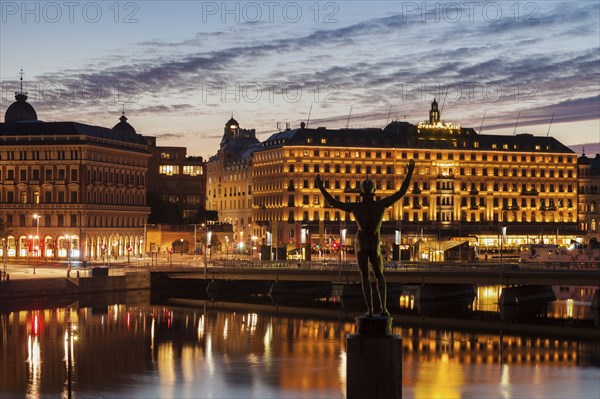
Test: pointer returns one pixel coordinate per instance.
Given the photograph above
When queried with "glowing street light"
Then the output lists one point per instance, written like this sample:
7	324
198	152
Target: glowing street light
37	234
68	237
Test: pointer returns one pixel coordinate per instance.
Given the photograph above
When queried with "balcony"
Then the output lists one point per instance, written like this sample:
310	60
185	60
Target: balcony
473	192
511	208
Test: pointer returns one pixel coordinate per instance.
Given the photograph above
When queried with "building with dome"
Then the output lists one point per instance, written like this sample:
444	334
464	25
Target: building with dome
229	185
69	189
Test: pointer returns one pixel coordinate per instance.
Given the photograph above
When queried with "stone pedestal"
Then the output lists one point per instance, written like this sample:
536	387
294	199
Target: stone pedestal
374	360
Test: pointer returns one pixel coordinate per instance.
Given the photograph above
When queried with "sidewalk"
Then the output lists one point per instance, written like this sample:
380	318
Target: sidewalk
24	271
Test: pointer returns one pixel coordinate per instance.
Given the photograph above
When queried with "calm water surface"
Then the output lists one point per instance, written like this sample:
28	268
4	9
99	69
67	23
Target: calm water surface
195	348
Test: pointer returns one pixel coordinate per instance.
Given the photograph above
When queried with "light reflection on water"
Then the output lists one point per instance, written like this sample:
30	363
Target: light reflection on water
219	349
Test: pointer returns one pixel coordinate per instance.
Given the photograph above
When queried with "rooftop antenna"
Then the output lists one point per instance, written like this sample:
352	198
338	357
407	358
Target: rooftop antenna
388	118
516	123
549	126
482	119
123	109
21	73
309	112
350	114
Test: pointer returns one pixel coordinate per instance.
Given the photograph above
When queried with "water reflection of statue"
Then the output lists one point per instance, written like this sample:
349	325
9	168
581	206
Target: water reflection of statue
369	214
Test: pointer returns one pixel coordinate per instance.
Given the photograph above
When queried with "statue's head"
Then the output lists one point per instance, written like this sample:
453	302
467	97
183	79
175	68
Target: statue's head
367	188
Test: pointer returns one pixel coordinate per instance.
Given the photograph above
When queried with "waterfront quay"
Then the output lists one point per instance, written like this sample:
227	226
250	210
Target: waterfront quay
51	279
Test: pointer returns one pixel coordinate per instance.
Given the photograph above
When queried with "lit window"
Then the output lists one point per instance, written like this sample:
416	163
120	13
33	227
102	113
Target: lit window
323	141
165	155
168	169
192	170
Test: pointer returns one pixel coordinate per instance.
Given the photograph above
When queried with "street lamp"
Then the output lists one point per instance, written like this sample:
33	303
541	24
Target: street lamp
181	241
68	237
37	232
502	237
29	248
241	244
226	247
254	238
4	255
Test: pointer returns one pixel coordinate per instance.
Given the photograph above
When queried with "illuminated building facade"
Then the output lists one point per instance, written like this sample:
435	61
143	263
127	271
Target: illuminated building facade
229	189
589	197
464	184
178	179
70	190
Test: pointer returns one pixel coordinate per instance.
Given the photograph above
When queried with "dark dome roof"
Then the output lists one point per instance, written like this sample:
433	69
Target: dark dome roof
20	110
583	160
232	122
123	128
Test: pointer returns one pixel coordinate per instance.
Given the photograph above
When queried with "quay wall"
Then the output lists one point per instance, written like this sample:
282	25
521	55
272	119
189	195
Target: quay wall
44	288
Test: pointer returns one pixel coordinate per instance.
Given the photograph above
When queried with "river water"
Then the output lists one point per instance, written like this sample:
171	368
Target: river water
137	346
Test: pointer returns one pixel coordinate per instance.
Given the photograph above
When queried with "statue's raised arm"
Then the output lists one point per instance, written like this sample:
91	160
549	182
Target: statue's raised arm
389	201
332	201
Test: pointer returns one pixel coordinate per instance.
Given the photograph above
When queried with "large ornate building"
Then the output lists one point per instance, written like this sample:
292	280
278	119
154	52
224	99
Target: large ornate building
70	190
465	184
229	188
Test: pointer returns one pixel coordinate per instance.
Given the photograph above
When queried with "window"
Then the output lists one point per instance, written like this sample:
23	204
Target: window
168	170
193	170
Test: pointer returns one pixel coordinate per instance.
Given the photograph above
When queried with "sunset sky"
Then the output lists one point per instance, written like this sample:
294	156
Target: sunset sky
182	68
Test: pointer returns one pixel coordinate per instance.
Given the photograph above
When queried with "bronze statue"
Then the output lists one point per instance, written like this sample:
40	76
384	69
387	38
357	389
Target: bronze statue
369	214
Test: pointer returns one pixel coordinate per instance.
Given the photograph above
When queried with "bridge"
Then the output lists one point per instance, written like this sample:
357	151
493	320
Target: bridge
510	274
